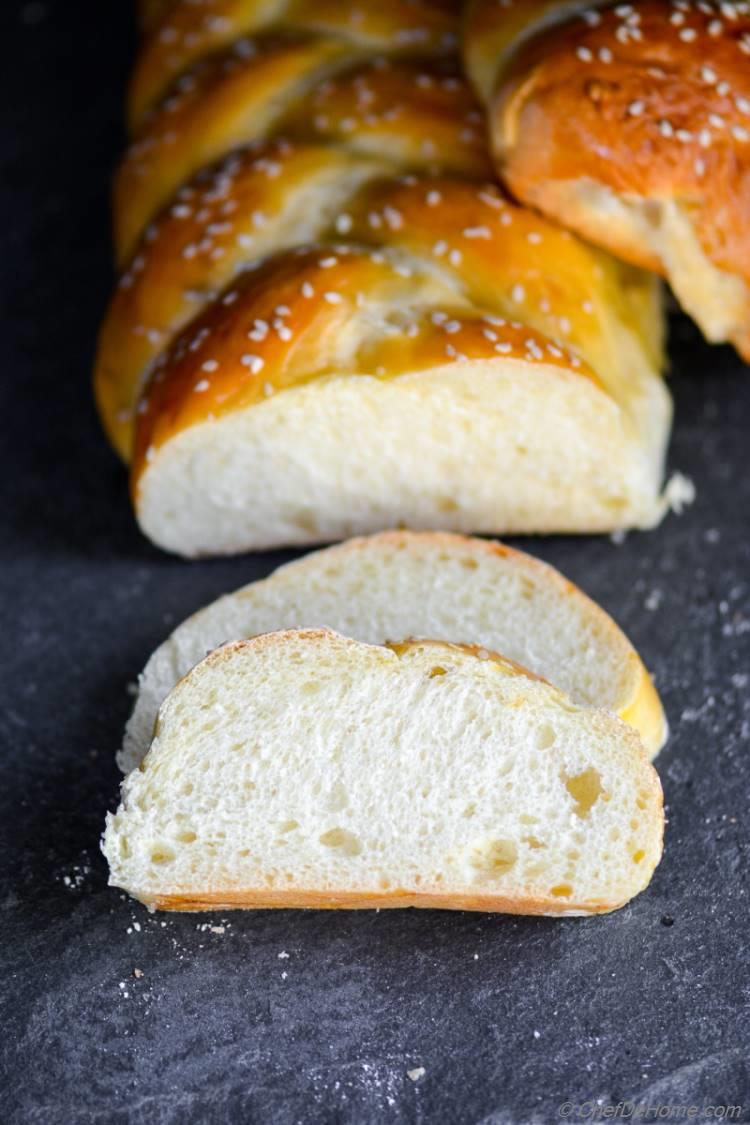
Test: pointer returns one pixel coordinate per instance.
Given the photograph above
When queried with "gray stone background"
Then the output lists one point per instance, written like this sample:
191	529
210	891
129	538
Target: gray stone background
509	1018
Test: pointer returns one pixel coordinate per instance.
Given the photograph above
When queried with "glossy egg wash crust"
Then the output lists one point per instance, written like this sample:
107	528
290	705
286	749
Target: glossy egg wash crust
328	321
630	124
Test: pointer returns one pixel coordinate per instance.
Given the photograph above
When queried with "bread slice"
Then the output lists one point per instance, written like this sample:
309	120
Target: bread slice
402	584
306	769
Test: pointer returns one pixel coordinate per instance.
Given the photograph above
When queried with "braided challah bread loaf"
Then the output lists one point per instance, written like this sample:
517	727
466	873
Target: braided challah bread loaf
630	124
329	323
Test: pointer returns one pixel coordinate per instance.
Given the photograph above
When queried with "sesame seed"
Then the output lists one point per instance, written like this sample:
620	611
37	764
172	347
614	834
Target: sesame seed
254	362
393	218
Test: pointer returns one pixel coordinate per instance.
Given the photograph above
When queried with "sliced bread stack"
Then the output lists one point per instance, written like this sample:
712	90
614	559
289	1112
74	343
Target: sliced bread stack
294	766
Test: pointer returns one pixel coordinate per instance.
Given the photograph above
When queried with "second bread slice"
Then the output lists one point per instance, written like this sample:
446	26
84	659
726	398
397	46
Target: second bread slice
401	584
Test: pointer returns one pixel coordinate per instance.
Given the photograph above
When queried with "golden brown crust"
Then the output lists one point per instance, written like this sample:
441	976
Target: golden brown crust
644	710
262	898
224	102
555	284
650	101
188	32
308	315
417	114
257	199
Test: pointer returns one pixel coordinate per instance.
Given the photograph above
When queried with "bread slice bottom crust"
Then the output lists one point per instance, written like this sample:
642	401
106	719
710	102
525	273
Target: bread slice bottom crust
263	899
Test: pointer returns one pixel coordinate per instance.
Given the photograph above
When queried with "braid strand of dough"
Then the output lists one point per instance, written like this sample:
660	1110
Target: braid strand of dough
630	124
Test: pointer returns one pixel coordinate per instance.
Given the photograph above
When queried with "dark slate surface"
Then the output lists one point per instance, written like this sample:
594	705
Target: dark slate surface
508	1018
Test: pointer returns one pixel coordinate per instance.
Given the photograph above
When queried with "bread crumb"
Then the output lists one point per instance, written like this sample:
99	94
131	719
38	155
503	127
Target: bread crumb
537	1034
416	1073
137	973
77	877
680	493
283	956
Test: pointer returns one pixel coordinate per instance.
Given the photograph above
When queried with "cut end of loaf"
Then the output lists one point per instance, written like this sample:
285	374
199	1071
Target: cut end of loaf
304	769
475	446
